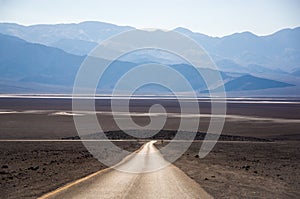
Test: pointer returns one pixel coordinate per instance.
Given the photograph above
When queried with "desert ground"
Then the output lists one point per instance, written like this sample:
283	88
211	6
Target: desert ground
39	151
246	169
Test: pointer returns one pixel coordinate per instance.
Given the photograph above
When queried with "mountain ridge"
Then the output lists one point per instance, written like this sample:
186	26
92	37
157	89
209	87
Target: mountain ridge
277	51
36	67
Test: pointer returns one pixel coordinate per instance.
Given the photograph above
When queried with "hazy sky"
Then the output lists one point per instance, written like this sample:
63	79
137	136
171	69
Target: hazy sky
212	17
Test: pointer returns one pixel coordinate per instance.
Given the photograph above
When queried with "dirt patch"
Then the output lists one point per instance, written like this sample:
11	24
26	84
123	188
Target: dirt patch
246	169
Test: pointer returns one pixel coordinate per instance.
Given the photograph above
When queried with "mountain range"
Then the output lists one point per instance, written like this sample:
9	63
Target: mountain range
43	58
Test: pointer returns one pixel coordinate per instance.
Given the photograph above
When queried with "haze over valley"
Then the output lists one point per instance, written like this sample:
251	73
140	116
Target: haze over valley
46	58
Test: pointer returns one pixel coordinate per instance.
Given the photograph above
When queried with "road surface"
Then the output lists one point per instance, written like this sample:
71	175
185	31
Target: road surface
168	182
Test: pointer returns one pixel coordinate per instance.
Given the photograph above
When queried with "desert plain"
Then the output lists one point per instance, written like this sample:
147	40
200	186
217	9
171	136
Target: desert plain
257	155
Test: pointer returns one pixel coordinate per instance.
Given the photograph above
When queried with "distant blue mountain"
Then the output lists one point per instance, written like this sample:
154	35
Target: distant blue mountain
74	46
91	31
73	38
26	63
249	82
280	50
28	67
242	52
231	66
23	61
296	72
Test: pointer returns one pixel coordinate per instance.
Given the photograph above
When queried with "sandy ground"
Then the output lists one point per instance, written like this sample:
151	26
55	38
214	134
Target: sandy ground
246	169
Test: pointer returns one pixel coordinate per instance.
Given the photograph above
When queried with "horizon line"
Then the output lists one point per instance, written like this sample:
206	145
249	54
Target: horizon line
172	29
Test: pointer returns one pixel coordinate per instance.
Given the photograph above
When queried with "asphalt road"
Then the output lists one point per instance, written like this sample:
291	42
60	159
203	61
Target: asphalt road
137	176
